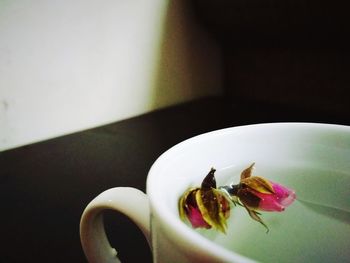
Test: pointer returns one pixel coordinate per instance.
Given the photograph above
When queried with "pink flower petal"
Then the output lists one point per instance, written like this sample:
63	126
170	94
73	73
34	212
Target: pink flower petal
278	201
269	202
196	218
284	195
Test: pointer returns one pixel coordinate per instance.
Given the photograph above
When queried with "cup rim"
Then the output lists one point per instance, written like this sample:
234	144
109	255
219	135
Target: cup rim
174	224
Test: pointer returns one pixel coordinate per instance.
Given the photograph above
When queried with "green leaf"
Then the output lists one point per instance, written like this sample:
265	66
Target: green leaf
210	207
246	173
183	202
209	181
258	184
254	215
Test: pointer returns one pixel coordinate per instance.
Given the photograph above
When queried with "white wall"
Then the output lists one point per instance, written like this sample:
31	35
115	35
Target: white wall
66	66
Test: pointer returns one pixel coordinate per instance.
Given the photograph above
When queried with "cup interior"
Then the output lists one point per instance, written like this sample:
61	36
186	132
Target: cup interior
312	159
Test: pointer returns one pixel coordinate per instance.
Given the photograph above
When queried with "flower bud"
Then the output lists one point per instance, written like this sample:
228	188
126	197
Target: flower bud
205	206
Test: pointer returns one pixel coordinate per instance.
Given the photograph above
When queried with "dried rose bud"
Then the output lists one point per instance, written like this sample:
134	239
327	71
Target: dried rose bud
208	206
205	206
257	193
277	201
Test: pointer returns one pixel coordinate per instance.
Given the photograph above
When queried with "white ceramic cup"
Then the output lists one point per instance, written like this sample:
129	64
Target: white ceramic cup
313	159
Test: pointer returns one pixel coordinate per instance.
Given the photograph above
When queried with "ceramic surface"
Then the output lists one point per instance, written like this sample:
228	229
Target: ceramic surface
314	159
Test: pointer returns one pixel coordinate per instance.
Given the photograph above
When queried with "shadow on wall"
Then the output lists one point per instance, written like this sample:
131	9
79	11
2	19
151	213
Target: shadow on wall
292	53
189	60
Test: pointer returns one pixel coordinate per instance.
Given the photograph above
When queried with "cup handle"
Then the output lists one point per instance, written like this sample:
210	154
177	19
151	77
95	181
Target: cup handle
127	200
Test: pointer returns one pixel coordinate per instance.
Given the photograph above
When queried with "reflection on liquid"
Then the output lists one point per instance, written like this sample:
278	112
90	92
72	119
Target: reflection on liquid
332	212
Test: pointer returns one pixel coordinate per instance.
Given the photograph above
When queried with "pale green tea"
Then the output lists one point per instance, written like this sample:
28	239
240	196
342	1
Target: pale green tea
315	228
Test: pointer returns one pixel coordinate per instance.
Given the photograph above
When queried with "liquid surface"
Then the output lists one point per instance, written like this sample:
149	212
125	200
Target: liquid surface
315	228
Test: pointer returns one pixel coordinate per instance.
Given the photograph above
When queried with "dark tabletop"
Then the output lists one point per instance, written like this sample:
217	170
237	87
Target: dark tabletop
45	186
